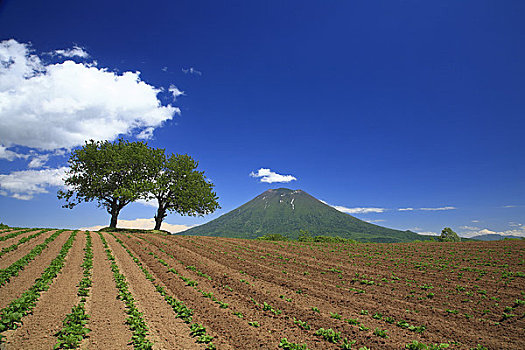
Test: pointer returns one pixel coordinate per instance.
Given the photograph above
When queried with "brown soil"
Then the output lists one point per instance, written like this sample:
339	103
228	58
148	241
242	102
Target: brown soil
11	241
38	329
107	314
166	331
26	277
23	249
263	263
8	231
220	321
460	293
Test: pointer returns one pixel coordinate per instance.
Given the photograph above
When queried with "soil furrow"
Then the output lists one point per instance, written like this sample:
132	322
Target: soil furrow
220	321
10	241
10	257
10	230
323	292
107	314
271	328
39	328
267	291
26	277
166	330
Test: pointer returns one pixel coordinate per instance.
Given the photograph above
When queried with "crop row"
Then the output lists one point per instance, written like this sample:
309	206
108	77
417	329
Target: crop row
263	306
440	293
14	234
135	321
74	325
409	317
7	273
11	316
23	240
181	310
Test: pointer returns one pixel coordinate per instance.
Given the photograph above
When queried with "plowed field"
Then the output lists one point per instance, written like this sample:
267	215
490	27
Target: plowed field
178	292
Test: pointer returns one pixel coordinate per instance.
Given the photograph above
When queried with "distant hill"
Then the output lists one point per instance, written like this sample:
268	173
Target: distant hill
286	212
493	237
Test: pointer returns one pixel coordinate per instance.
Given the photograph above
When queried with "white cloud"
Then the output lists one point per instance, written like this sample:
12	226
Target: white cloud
475	221
146	224
364	210
374	221
191	70
60	105
27	183
38	161
358	210
10	155
429	233
151	203
427	209
146	134
514	224
509	206
470	228
164	69
518	231
76	51
176	92
438	209
269	176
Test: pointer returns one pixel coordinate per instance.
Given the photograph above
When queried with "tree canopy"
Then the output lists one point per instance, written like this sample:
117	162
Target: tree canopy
447	235
179	187
112	174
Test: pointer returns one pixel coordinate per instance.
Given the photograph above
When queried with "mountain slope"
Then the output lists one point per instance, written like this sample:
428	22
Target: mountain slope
286	212
493	237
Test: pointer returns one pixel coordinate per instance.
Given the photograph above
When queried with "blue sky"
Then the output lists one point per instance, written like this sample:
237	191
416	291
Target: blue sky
372	106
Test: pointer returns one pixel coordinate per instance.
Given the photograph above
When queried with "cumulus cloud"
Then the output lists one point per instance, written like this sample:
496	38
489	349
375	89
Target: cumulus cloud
52	106
176	92
38	161
76	51
146	134
191	70
438	209
146	224
269	176
26	184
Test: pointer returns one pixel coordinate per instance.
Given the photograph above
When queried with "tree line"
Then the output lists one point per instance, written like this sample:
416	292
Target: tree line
117	173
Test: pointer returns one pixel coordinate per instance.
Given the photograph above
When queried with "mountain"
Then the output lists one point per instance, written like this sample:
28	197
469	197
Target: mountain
284	211
493	237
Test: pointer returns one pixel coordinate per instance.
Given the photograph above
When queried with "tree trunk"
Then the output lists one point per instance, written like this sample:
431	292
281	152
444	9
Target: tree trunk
114	216
113	222
161	214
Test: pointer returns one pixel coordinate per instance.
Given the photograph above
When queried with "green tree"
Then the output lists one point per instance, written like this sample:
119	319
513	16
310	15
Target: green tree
447	235
179	187
112	173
